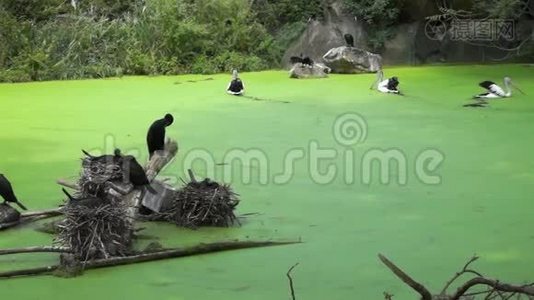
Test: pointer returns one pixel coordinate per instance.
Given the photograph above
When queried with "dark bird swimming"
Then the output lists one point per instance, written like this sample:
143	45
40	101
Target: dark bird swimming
6	191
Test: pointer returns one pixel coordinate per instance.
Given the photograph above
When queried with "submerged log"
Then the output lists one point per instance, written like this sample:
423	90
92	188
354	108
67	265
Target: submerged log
18	219
37	249
153	256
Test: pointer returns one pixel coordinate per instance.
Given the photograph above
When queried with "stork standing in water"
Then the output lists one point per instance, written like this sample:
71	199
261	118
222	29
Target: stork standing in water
495	92
389	85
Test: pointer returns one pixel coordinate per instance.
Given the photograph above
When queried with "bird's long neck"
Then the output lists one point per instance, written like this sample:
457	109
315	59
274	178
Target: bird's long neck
508	89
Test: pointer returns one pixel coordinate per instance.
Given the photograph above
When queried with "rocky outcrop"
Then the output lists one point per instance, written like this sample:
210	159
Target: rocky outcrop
411	44
350	60
323	35
302	71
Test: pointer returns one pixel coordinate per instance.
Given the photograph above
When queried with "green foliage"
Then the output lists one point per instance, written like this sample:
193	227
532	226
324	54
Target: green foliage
276	13
103	38
501	9
380	17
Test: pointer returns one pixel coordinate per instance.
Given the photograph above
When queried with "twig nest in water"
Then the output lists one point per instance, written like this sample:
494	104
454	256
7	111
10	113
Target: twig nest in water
96	232
204	203
8	214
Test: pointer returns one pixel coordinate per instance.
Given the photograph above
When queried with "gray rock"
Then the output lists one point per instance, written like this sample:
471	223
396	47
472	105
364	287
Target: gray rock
325	34
350	60
301	71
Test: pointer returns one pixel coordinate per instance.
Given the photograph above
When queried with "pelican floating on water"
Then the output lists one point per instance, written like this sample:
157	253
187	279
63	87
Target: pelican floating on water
389	85
495	91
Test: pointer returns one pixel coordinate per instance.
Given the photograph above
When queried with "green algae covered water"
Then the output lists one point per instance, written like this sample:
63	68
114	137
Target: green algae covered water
482	204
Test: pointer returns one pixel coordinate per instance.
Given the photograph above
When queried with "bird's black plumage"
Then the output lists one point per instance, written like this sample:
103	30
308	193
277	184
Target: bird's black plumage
89	202
393	84
307	61
105	158
295	60
486	84
349	39
6	191
236	86
135	173
155	138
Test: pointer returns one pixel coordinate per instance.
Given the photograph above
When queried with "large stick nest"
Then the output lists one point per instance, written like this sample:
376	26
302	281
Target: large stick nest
96	223
96	171
205	203
96	232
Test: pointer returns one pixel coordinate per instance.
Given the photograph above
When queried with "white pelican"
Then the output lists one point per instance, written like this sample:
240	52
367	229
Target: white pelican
389	85
495	91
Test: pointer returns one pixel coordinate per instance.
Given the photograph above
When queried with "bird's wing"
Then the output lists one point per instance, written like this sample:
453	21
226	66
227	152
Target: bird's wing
497	90
486	84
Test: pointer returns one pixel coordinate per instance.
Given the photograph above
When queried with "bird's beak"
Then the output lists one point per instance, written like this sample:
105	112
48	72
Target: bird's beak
515	87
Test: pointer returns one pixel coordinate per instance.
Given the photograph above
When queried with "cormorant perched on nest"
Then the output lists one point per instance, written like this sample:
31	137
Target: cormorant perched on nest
349	39
89	202
155	138
135	173
6	191
115	158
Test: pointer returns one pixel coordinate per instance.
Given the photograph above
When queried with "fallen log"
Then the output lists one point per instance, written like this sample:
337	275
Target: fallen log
153	256
30	217
43	213
37	249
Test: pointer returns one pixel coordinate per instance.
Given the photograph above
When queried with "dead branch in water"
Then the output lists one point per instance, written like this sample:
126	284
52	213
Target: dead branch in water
38	249
29	217
43	213
153	256
288	274
419	288
496	289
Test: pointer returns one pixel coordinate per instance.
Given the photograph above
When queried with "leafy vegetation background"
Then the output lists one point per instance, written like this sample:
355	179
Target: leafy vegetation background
54	39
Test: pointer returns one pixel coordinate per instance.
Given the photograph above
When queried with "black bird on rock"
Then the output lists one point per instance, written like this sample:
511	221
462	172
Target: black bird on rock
349	39
300	59
155	138
135	173
6	191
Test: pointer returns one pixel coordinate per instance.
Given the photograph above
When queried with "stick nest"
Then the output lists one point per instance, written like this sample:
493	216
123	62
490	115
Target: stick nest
94	233
96	172
96	223
204	203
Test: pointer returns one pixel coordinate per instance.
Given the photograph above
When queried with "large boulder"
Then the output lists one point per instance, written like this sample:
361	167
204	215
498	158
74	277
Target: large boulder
321	35
301	71
350	60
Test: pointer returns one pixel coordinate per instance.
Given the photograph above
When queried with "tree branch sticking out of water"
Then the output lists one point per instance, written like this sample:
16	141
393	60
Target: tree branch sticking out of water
495	288
288	274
